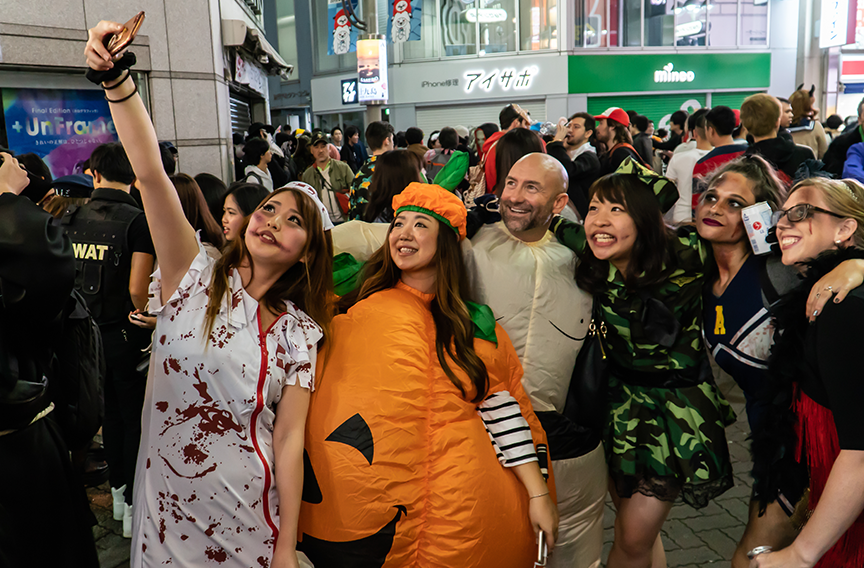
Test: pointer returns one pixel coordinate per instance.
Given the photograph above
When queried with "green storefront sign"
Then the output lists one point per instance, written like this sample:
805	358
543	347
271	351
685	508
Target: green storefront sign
660	107
590	74
656	107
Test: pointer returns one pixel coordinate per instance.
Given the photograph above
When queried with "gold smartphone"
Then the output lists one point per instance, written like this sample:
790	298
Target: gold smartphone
116	43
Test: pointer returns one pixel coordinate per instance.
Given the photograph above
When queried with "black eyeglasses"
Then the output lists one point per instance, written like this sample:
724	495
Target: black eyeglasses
800	212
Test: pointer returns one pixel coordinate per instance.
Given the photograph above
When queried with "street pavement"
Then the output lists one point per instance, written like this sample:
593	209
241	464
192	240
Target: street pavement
692	538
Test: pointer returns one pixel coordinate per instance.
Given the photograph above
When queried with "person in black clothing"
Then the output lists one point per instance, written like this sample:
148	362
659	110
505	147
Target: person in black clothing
400	142
760	115
115	258
835	156
37	272
302	156
612	130
572	147
352	152
642	141
676	131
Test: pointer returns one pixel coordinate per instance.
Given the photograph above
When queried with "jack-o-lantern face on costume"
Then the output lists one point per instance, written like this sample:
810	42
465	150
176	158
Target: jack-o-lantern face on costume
372	549
400	470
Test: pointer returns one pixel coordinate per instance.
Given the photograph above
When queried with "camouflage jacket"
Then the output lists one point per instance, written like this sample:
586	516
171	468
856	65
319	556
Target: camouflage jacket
358	195
623	309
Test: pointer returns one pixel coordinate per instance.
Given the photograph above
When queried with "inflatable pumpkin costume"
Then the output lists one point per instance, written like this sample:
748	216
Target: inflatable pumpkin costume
400	468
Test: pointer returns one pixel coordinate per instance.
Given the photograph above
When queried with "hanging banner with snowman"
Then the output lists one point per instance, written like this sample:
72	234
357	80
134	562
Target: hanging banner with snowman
342	35
404	21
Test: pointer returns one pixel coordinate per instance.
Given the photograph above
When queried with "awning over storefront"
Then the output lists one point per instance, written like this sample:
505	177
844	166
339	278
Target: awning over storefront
235	33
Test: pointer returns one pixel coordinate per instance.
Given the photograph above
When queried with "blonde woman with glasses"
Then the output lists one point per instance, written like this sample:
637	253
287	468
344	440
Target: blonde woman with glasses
816	368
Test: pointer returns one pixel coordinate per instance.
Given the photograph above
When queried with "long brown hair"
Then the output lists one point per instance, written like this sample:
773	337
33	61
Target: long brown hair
308	284
622	134
394	170
454	330
56	205
651	254
196	210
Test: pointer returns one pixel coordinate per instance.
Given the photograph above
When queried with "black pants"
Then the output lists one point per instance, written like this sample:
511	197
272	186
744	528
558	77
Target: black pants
45	519
124	400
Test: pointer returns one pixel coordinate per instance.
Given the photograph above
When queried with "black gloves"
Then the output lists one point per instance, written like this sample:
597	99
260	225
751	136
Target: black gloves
125	62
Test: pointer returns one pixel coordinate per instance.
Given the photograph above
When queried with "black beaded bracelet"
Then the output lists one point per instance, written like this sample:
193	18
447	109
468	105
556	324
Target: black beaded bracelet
126	98
115	85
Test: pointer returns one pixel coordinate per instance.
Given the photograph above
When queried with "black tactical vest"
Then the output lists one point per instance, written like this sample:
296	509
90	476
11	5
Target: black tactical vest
103	260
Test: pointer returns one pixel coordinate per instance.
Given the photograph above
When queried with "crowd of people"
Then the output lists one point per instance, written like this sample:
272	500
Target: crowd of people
441	350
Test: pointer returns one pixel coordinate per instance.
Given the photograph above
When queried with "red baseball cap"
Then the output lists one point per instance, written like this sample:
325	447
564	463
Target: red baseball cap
737	114
616	114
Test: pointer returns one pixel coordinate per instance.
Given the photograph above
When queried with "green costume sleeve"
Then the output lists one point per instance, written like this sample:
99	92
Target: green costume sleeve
453	172
689	237
570	234
346	273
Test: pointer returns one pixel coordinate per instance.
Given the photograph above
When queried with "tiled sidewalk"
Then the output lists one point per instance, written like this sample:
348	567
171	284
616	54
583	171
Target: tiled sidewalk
692	538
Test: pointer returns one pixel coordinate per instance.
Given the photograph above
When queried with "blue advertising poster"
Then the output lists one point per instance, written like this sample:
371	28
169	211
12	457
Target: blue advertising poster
342	35
403	22
62	127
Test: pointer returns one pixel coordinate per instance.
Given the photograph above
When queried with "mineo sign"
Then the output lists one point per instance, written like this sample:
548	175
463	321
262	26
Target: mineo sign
669	75
657	72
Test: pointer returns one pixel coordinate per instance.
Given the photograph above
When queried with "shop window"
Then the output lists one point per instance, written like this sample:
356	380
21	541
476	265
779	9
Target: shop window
723	21
481	27
327	63
538	24
660	22
671	23
287	32
427	46
497	19
458	29
591	24
691	22
754	23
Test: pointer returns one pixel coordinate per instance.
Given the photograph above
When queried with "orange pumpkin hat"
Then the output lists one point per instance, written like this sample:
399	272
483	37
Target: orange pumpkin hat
433	200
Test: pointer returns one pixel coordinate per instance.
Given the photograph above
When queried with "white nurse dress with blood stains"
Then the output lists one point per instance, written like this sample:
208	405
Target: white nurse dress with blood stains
205	489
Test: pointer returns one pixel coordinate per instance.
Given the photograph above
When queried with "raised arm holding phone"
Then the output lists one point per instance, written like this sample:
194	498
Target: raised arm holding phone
220	463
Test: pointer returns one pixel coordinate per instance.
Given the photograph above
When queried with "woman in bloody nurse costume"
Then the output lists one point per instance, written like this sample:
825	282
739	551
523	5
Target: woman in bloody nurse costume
422	445
221	455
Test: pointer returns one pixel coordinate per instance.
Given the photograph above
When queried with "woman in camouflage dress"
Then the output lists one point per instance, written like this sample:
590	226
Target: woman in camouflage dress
664	436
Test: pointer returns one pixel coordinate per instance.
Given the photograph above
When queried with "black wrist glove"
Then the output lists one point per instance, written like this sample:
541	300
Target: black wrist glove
124	63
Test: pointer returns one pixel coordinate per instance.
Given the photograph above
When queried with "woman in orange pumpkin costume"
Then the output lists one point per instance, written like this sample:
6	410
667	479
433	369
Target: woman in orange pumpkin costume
422	446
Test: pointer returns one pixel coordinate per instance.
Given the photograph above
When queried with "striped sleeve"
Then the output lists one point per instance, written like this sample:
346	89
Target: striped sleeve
508	430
